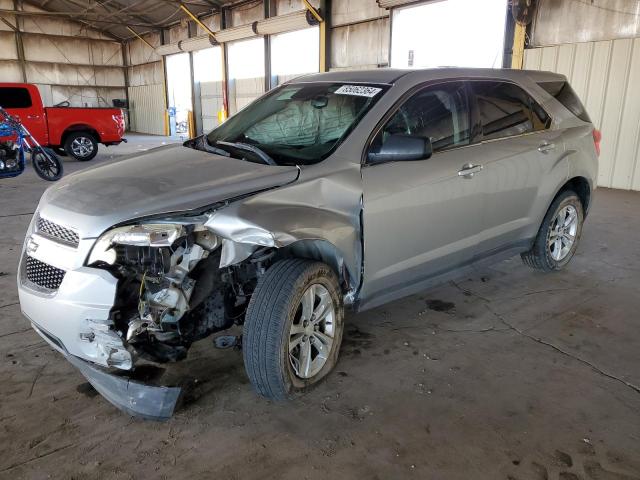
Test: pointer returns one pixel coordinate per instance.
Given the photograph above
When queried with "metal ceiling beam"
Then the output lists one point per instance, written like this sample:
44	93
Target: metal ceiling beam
72	16
110	13
138	16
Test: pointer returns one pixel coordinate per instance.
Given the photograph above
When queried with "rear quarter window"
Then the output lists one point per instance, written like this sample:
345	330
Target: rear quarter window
563	92
14	97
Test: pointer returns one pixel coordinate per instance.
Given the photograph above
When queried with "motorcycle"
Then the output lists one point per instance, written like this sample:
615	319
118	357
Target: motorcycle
15	143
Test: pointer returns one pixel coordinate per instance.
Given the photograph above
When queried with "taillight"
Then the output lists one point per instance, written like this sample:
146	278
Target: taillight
597	136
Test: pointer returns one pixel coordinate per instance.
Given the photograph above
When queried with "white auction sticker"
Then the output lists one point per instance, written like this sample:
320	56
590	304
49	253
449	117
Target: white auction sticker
359	90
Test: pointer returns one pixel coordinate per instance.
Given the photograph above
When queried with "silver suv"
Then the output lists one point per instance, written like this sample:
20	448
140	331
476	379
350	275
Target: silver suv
346	189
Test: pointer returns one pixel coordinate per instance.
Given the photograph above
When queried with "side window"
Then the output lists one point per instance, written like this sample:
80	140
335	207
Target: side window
507	110
14	97
439	113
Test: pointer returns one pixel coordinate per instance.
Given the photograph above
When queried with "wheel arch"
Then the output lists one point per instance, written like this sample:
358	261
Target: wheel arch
582	187
79	127
322	251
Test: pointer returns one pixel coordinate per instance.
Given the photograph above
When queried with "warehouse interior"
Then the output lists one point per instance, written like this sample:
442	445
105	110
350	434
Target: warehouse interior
504	373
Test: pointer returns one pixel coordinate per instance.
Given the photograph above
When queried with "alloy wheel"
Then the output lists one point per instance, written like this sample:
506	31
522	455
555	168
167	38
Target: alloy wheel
312	332
82	147
562	232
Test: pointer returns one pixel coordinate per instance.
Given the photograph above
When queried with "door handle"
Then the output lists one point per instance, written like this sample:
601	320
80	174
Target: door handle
468	170
546	147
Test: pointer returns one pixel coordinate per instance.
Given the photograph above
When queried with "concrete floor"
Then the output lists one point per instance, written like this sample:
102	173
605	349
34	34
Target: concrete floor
505	374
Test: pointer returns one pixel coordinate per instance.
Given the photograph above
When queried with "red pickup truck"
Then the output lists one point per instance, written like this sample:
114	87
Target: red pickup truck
76	131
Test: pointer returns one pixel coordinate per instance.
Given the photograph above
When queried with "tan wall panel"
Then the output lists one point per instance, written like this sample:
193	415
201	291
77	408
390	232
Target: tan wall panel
139	52
8	49
84	96
71	50
360	45
355	11
148	74
212	22
177	33
59	74
288	6
10	71
605	75
245	14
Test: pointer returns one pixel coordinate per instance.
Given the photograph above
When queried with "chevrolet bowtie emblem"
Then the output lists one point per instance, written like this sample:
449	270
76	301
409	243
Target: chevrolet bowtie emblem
32	246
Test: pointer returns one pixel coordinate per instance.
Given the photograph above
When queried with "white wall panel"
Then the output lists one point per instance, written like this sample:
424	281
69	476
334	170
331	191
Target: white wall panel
10	71
605	75
146	109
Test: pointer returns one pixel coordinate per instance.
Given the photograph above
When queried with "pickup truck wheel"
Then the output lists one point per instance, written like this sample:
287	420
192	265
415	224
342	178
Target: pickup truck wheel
559	234
82	146
293	328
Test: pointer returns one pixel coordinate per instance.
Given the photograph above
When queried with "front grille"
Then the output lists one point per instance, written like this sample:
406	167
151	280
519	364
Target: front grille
43	274
58	232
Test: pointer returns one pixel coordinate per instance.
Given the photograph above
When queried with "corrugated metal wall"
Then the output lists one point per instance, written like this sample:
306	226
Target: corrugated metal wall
606	76
146	112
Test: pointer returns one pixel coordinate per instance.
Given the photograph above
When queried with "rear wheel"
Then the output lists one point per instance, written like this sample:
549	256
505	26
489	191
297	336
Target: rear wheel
559	234
293	328
82	146
46	164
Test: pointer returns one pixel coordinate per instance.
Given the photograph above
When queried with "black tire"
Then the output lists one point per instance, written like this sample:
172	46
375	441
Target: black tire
83	146
273	308
46	164
540	256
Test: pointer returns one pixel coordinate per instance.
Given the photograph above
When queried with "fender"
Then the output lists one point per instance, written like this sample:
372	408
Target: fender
318	218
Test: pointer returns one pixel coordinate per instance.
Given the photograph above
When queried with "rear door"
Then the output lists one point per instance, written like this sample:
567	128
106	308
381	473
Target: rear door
421	218
27	108
518	153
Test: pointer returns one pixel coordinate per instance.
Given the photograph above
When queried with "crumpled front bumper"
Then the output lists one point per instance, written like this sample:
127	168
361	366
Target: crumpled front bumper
135	398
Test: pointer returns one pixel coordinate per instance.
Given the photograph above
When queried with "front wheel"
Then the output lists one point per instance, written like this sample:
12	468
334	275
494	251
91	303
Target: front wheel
293	328
559	234
82	146
46	164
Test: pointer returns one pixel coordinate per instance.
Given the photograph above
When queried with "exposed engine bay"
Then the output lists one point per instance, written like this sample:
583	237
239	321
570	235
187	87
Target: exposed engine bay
171	289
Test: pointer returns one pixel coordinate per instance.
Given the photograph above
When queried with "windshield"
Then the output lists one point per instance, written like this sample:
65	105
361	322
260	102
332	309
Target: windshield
296	124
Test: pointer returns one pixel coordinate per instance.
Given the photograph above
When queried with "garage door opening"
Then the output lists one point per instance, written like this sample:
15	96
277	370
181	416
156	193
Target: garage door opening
207	82
456	33
246	72
294	54
179	92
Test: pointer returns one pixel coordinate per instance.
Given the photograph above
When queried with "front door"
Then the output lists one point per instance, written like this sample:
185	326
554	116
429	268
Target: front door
421	219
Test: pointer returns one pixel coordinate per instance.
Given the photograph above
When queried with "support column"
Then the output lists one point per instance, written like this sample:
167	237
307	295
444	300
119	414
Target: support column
519	37
17	5
269	11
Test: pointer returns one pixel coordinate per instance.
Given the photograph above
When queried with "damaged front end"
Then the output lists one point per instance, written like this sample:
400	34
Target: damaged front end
171	291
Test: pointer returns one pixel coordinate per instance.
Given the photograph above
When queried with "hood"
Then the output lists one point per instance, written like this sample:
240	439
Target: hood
168	179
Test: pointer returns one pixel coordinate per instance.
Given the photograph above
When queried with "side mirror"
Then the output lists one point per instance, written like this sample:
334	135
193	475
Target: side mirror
401	148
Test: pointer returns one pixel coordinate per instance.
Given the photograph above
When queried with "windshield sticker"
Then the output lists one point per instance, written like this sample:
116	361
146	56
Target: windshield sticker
358	90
